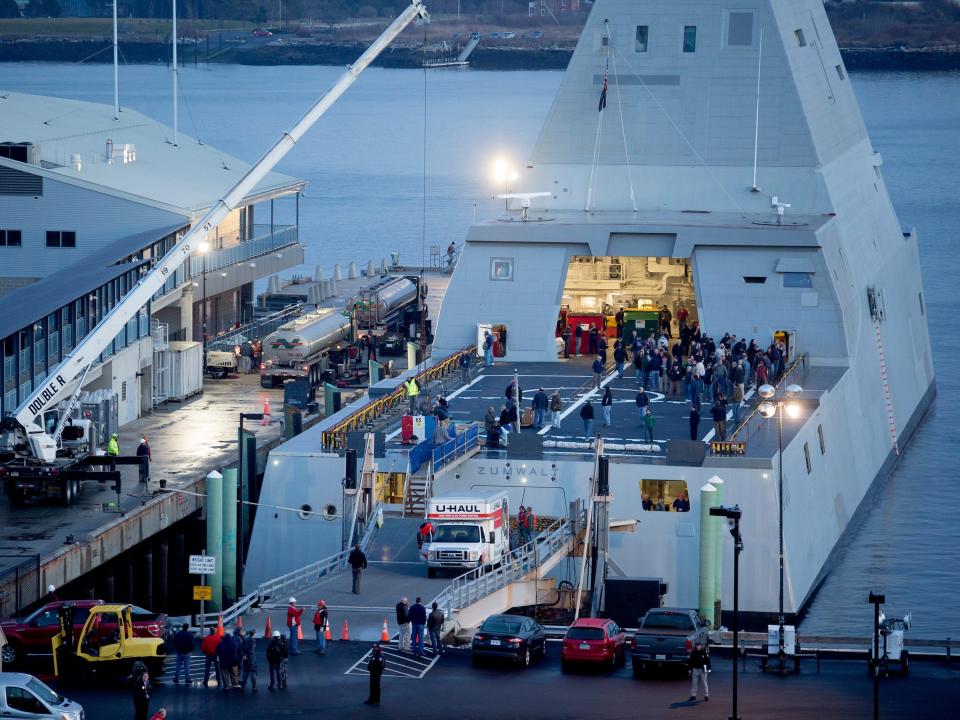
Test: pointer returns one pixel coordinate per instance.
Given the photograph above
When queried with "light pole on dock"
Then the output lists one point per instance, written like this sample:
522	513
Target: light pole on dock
768	408
733	513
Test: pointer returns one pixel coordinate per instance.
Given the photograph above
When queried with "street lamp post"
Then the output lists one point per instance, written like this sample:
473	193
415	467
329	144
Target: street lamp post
734	513
768	408
204	248
876	599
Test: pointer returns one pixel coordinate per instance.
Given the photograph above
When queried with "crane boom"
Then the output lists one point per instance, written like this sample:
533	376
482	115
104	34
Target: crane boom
92	345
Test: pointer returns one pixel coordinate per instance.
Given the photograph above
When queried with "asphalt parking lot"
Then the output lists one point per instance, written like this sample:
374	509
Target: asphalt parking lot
452	688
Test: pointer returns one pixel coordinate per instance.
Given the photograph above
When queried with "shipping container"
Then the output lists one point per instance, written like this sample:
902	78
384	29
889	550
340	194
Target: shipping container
184	370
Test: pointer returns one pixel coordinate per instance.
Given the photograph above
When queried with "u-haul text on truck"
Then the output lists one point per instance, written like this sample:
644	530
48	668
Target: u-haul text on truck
469	531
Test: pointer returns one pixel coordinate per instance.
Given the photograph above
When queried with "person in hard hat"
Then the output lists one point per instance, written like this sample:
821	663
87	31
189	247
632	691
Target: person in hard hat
413	393
51	595
293	622
113	447
274	658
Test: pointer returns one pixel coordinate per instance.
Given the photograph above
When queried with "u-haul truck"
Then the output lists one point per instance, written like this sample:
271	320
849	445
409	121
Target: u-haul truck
469	531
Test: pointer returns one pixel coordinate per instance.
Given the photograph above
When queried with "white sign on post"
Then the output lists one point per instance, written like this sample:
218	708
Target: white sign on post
203	564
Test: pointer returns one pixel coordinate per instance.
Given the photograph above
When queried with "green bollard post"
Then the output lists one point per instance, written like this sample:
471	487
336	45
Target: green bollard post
708	555
214	510
228	567
718	524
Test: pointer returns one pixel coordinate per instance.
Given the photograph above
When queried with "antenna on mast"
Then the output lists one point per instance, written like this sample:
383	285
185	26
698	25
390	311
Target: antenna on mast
756	127
174	67
116	68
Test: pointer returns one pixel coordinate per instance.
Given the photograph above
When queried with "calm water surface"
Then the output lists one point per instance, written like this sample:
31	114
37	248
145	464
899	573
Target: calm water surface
364	162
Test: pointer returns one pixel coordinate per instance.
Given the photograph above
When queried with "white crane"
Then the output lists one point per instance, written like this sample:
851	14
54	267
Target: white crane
29	428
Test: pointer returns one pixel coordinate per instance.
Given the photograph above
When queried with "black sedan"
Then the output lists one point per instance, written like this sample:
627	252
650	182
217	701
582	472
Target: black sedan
509	636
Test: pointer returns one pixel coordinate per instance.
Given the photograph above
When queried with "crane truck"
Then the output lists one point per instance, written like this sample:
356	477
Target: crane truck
33	452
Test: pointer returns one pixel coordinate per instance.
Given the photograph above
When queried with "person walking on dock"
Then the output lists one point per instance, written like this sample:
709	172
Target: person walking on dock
183	645
228	653
321	621
418	619
209	649
403	622
540	404
375	667
113	447
294	614
358	563
648	423
699	668
248	661
274	658
435	627
694	421
464	362
487	349
606	406
586	414
493	430
597	371
578	336
643	401
556	405
719	414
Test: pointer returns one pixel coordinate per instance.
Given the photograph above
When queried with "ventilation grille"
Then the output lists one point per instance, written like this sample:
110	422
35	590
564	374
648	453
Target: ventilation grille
17	182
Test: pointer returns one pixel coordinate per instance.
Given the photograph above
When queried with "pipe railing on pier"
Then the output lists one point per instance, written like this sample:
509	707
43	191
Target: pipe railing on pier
796	372
335	438
258	328
297	579
516	565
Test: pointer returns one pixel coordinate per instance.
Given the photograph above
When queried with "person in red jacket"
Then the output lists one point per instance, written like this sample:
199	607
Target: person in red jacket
293	622
209	649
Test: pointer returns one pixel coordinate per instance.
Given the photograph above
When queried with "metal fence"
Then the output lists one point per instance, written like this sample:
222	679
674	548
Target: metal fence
258	328
241	252
456	447
479	583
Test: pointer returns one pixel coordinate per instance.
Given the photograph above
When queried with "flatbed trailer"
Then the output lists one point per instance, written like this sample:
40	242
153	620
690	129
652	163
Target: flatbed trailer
62	480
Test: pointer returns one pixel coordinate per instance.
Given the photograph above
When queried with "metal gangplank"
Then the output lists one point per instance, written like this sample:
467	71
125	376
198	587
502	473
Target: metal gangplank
468	48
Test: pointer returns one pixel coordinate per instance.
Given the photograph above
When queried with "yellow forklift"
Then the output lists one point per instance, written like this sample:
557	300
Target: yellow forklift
106	646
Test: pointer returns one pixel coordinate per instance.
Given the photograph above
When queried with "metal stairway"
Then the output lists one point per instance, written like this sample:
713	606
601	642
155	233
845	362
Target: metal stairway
419	485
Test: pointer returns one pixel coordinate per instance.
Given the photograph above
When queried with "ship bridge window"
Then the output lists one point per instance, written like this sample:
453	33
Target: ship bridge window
739	29
797	280
801	40
754	279
689	38
664	495
643	33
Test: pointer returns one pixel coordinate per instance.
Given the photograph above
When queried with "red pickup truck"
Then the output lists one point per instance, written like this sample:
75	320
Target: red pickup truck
32	635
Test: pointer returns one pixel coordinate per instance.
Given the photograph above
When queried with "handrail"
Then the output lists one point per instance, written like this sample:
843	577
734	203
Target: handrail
335	438
800	364
477	584
456	447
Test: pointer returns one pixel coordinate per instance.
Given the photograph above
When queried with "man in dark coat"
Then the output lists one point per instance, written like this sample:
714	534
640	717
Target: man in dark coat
375	667
141	694
358	563
694	421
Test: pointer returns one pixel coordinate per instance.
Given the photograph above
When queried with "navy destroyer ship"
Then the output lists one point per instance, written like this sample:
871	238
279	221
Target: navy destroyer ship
709	158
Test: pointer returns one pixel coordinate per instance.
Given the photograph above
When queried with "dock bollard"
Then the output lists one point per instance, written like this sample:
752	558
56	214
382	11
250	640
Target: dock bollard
353	272
718	524
318	273
708	556
337	273
383	266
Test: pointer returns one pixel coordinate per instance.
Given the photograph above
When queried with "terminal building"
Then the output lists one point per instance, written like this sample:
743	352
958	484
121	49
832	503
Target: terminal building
87	202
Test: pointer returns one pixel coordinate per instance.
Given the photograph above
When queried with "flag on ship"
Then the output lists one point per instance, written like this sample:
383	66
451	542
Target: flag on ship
603	94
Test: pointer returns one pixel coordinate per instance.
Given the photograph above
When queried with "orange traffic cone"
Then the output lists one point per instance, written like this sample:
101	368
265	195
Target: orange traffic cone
346	632
299	632
220	630
328	635
384	633
240	623
266	412
268	630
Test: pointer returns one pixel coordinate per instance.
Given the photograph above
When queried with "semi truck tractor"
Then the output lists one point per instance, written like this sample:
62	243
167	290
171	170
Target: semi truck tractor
469	531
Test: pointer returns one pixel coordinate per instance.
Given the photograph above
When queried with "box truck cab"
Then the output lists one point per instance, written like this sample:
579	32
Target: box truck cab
469	531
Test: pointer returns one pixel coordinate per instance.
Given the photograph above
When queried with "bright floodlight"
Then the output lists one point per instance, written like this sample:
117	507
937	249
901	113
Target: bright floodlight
503	172
204	246
793	410
766	391
767	409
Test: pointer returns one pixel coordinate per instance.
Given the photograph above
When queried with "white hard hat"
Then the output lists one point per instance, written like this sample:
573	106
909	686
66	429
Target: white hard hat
276	633
292	600
50	588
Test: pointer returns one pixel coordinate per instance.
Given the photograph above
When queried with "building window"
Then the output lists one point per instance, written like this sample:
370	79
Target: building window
797	280
689	38
643	34
842	75
754	279
806	457
10	238
664	495
823	444
61	238
740	29
801	40
501	268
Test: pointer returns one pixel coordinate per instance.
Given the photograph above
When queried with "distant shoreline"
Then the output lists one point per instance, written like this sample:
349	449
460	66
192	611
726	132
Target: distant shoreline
857	59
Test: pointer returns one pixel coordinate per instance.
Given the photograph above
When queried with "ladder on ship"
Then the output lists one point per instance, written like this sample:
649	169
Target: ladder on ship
886	384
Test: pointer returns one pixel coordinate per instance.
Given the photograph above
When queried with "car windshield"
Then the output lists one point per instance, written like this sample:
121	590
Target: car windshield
43	692
501	625
584	633
670	621
457	534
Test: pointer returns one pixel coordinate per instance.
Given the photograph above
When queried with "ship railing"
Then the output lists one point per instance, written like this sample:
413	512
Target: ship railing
335	438
516	565
300	578
793	374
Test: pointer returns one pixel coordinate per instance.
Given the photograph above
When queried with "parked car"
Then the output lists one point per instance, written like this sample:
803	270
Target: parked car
513	637
475	36
494	36
23	696
593	640
260	32
666	636
392	343
33	634
508	35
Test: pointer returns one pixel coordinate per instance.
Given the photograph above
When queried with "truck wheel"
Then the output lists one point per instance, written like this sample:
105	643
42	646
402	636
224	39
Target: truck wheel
66	494
18	498
11	654
431	572
637	669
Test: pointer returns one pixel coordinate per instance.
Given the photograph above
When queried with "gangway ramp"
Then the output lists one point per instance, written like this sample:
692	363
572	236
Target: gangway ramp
519	581
468	48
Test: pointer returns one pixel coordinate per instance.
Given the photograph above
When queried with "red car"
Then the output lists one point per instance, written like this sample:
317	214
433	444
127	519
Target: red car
262	33
593	640
33	634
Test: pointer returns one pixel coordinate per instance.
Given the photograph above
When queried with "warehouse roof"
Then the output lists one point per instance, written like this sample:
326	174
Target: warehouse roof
186	178
45	296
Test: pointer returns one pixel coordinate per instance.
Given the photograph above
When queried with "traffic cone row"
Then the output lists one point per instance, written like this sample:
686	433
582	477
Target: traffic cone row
266	412
268	630
384	633
346	632
328	635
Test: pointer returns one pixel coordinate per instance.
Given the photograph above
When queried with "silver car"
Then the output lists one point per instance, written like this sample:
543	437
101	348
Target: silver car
23	696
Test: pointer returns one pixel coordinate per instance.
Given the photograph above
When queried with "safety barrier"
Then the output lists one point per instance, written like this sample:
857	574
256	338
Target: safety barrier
456	447
798	370
335	438
477	584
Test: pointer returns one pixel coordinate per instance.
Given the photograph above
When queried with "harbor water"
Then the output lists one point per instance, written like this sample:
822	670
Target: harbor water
368	195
